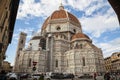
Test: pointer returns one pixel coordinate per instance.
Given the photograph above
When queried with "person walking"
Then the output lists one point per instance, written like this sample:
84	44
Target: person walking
107	76
95	75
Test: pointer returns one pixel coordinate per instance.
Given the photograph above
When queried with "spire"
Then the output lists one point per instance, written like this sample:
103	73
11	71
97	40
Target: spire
61	7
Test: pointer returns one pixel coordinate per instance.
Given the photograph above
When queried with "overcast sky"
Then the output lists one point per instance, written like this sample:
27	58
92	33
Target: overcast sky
97	18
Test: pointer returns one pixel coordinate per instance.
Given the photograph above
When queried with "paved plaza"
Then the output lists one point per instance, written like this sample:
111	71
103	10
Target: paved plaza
98	78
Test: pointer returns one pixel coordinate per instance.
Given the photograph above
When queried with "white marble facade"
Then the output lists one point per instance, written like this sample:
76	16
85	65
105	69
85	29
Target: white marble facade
61	46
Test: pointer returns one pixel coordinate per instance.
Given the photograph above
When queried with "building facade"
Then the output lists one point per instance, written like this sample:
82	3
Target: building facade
112	63
8	11
7	67
108	64
61	46
115	60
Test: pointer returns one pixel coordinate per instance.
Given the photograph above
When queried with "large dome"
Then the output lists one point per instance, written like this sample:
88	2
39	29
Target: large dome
61	14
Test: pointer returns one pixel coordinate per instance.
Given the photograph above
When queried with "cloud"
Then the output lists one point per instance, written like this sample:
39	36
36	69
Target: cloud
15	36
98	16
104	18
29	8
29	32
78	4
43	8
110	47
26	30
99	24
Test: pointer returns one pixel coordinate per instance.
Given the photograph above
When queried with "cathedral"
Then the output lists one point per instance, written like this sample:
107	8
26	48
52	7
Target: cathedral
61	46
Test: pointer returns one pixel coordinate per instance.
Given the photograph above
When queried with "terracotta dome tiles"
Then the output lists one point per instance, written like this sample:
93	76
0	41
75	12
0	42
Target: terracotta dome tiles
60	14
73	18
79	35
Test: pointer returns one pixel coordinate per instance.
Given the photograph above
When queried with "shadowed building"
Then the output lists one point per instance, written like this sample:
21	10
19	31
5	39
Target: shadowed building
116	6
61	46
7	67
8	12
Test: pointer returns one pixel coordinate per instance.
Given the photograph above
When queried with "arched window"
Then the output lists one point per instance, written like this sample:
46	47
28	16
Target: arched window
43	43
56	36
76	46
67	62
83	60
81	46
56	63
29	62
74	30
58	28
61	36
21	41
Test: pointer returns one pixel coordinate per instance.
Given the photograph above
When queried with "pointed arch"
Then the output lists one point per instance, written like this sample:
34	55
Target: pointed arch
29	62
83	60
56	63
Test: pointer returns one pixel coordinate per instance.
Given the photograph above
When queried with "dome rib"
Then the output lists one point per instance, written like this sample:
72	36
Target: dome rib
45	23
61	14
73	18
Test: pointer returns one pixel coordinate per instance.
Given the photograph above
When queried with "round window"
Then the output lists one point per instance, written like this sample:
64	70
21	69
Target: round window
58	28
74	30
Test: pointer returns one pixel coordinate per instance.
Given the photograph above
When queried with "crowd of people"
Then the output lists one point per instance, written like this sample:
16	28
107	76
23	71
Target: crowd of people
105	76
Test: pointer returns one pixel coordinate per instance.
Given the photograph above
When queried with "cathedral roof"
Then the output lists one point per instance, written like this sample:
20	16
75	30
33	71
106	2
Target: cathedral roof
80	35
61	14
36	36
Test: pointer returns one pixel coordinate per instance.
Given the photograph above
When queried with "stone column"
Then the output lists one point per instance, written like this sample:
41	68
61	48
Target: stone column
51	53
48	49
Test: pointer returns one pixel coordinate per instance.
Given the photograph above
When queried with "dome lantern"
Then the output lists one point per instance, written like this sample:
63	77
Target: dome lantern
61	7
61	15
